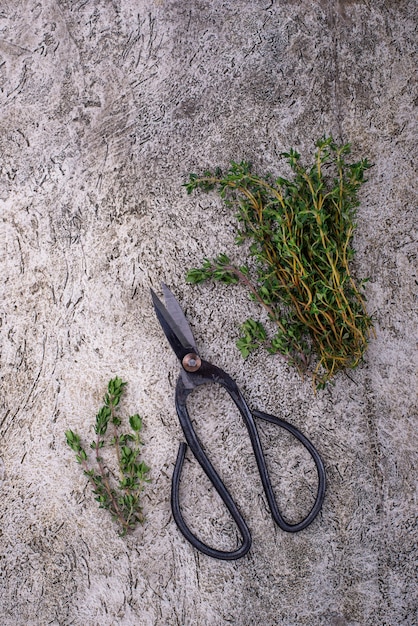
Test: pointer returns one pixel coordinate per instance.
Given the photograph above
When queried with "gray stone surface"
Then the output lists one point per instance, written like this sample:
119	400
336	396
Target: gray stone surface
105	106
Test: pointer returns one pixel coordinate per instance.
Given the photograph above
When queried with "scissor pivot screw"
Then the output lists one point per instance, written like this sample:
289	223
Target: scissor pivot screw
191	362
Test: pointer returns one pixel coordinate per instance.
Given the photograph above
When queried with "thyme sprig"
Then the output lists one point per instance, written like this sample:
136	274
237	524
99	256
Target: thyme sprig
300	233
121	495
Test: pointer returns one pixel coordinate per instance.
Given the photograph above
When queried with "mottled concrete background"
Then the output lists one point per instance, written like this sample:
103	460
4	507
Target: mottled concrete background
106	105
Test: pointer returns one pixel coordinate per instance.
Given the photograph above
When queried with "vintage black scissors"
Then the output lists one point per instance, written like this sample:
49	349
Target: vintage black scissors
195	372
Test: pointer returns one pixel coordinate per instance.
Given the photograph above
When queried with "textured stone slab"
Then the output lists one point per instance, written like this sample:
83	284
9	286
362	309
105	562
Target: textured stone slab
105	106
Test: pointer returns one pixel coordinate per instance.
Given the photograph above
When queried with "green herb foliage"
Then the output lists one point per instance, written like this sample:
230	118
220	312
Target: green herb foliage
300	235
121	496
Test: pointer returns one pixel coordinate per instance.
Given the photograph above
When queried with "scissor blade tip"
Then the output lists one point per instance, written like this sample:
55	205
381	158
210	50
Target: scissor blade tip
156	300
166	289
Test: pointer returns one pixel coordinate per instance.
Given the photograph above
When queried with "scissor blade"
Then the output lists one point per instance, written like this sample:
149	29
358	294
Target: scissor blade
176	339
176	313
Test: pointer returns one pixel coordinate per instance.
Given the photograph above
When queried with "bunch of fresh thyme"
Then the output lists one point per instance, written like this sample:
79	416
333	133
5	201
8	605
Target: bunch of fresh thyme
121	496
300	233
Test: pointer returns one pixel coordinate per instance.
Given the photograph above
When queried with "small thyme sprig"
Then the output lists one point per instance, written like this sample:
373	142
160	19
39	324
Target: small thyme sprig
300	234
121	496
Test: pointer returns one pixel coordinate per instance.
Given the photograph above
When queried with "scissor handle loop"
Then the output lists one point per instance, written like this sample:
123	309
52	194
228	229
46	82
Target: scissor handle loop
278	518
209	373
226	498
182	392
